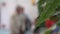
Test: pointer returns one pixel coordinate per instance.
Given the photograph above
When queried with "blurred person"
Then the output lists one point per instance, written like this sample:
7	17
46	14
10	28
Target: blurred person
18	21
28	27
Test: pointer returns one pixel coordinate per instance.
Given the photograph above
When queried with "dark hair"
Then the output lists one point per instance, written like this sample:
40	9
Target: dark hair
19	9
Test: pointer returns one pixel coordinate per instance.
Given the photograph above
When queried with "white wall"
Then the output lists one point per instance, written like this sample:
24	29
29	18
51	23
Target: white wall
7	11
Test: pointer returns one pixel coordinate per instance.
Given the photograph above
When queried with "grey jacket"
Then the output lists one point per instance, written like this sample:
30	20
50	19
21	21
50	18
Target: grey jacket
17	22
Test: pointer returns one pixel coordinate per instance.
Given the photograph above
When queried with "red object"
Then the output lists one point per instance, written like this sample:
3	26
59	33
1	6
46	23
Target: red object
49	23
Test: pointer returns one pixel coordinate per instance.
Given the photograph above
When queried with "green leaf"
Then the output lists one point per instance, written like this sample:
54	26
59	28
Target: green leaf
48	32
58	23
48	11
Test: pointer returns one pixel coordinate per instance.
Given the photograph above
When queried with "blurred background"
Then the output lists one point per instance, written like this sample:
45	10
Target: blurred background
7	8
45	12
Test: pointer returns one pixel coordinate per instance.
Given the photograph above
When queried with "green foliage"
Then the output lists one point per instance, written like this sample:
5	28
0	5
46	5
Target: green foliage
58	23
40	2
48	32
46	11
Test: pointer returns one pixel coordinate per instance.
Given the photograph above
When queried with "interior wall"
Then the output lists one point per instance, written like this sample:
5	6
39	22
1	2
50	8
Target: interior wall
30	10
6	12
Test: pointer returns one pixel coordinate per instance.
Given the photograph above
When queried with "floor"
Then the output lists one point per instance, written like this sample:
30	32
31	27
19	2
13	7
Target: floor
4	32
7	32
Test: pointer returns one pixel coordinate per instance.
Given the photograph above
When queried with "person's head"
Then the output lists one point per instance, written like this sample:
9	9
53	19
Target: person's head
19	9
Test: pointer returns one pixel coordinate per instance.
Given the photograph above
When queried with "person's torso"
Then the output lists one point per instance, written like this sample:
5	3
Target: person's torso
19	20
